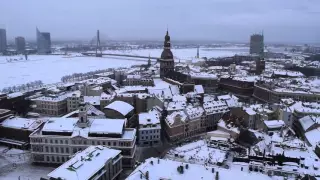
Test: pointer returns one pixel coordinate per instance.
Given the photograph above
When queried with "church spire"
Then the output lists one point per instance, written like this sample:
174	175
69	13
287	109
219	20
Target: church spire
149	61
167	44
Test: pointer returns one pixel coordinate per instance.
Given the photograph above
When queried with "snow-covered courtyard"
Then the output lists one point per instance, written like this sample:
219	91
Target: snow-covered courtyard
15	164
50	68
197	152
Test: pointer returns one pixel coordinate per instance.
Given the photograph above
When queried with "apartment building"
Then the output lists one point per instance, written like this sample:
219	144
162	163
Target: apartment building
272	92
55	105
95	162
149	133
187	120
214	111
73	102
137	80
61	137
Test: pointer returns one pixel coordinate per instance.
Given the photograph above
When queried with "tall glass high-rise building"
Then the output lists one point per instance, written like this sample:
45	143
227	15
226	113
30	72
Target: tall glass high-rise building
257	44
43	42
3	40
20	44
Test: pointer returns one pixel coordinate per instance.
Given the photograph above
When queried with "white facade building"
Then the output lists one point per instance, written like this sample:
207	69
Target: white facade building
91	89
95	162
61	137
150	128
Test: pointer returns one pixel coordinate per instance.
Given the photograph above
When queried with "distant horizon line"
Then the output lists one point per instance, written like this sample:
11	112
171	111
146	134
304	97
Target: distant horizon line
59	40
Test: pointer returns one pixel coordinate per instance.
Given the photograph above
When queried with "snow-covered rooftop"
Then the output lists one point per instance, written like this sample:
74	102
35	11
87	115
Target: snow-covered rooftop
105	96
177	98
21	123
307	121
134	76
103	126
227	97
199	89
271	124
57	98
203	75
60	125
246	78
281	72
313	136
151	117
177	105
14	95
120	106
98	81
91	111
85	164
167	169
2	111
176	115
96	126
212	107
94	100
194	112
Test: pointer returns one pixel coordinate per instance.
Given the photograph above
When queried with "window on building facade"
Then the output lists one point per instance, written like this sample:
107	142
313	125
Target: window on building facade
48	158
114	143
52	150
52	158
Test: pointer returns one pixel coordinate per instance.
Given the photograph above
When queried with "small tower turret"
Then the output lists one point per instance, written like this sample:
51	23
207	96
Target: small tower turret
83	116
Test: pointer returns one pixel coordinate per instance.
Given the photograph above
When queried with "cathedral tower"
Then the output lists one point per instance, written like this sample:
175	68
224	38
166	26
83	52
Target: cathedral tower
166	61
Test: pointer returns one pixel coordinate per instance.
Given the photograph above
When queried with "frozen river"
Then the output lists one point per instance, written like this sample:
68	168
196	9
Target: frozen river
50	68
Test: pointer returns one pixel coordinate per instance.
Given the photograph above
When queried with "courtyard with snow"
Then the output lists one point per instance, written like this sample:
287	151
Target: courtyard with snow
15	164
197	152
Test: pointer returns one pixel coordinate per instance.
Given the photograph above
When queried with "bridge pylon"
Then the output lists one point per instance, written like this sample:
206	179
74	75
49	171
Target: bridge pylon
98	47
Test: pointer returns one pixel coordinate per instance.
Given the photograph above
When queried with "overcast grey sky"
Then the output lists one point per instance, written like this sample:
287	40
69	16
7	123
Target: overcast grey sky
223	20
